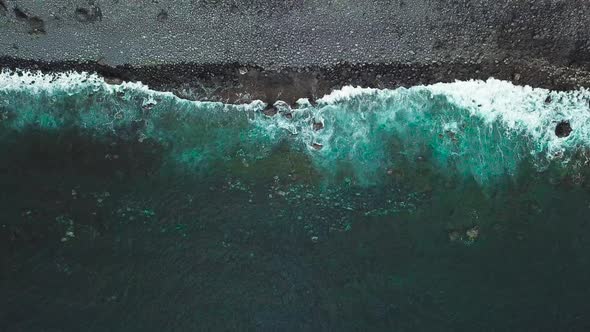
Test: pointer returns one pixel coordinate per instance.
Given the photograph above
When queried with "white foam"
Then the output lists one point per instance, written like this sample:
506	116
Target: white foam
348	131
520	108
36	81
72	82
346	93
524	109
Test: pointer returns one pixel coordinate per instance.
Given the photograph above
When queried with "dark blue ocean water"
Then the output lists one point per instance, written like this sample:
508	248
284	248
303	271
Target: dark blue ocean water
451	207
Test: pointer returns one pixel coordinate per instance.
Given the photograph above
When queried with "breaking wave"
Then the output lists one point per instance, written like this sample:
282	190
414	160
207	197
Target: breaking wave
477	129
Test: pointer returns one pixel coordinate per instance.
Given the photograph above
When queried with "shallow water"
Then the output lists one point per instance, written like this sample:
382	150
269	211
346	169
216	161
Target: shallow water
445	207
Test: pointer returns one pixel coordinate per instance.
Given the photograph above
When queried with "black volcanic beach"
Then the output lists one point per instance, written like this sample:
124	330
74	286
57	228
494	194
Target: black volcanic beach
237	51
294	165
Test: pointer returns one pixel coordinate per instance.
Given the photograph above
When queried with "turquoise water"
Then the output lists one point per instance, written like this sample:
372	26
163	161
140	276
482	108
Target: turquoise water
454	206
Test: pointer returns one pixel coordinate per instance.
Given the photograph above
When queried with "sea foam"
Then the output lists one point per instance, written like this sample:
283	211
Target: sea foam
482	129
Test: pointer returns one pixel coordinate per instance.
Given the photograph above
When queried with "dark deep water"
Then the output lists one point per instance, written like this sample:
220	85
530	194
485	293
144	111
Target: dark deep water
123	209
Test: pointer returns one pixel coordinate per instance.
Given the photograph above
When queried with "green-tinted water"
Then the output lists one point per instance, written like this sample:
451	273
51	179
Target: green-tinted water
449	207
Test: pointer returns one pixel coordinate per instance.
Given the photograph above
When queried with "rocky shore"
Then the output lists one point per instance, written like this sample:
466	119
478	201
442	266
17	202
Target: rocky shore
236	83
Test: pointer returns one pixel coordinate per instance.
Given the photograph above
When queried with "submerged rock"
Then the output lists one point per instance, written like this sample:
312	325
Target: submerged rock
318	125
548	100
454	235
466	236
563	129
270	111
472	234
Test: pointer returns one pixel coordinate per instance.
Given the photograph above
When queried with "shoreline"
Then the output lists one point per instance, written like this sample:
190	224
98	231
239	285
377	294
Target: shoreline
237	83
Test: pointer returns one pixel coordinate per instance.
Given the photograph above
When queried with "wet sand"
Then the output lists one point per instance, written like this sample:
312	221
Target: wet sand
234	83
